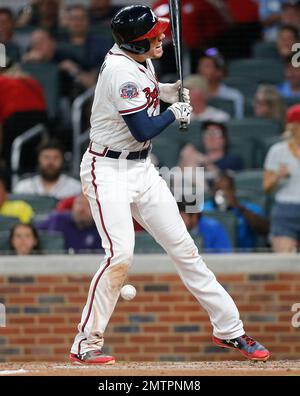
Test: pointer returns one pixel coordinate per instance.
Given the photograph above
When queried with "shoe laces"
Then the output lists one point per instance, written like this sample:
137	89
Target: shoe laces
250	341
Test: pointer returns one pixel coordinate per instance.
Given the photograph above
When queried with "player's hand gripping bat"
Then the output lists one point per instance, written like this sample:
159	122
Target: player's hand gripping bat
176	27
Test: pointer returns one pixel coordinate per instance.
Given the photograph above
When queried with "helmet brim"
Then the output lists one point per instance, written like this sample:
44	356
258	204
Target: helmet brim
160	26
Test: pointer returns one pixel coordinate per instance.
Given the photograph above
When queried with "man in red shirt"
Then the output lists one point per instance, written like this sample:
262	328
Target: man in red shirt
22	105
246	28
202	22
245	11
230	25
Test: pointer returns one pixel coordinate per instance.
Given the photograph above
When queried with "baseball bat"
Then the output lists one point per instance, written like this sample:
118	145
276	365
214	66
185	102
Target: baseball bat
176	28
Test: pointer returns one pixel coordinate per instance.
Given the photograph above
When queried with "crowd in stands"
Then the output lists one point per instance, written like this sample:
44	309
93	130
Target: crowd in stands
239	68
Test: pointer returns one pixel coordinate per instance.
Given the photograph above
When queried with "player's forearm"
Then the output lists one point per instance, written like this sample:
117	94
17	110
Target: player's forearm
144	128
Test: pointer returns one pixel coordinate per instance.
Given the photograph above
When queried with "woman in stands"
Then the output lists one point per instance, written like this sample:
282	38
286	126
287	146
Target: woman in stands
268	103
215	157
24	240
282	172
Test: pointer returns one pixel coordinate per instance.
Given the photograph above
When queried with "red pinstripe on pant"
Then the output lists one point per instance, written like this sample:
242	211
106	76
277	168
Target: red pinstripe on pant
111	249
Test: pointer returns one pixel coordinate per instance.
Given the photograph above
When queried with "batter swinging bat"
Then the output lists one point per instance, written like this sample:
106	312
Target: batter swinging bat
175	17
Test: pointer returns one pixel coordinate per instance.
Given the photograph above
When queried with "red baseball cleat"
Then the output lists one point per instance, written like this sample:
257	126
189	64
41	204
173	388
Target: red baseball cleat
92	357
248	347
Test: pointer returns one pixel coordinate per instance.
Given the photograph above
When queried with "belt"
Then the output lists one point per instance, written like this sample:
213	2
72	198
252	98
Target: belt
130	155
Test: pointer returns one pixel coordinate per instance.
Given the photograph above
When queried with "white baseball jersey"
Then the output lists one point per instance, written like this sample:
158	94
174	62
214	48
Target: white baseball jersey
124	87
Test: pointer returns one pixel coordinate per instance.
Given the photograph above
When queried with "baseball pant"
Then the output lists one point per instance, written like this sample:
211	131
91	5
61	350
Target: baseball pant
119	189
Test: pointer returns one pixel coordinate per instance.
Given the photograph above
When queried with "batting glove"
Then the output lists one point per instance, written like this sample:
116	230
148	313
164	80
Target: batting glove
182	111
169	93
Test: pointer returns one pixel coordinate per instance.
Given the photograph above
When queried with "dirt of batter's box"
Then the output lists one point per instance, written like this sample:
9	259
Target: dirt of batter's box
226	368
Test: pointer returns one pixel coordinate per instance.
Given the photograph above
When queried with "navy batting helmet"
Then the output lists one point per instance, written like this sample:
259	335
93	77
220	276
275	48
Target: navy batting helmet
133	26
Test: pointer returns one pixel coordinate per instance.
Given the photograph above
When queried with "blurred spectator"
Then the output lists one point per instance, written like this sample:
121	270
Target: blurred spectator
215	156
22	105
237	41
270	14
77	226
63	20
287	36
17	208
92	47
290	14
202	22
40	13
269	104
215	237
50	180
24	240
290	88
7	31
102	11
67	204
282	174
212	67
198	87
44	49
251	221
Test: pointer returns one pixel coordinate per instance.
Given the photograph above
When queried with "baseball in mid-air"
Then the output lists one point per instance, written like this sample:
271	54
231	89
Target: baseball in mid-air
128	292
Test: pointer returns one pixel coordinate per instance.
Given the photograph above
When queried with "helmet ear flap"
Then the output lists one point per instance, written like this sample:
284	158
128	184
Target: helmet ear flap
137	47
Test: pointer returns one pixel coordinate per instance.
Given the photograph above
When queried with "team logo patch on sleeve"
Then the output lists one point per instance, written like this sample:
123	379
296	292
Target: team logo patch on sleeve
129	90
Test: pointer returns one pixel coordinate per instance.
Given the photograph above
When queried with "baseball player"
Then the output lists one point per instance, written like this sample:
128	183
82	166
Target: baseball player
120	182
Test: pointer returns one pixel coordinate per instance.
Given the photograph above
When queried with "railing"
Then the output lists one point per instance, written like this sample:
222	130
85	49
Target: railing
17	146
78	137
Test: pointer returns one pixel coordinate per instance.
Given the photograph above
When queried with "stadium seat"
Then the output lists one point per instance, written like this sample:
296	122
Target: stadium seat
257	70
226	105
144	243
193	134
74	51
198	242
291	101
101	29
249	180
52	242
254	127
265	50
4	244
167	146
42	205
173	132
244	147
228	221
48	76
166	151
255	197
249	186
263	146
6	222
248	108
246	87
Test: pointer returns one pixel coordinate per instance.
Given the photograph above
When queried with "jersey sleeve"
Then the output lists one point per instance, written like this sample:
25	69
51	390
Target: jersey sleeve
127	93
